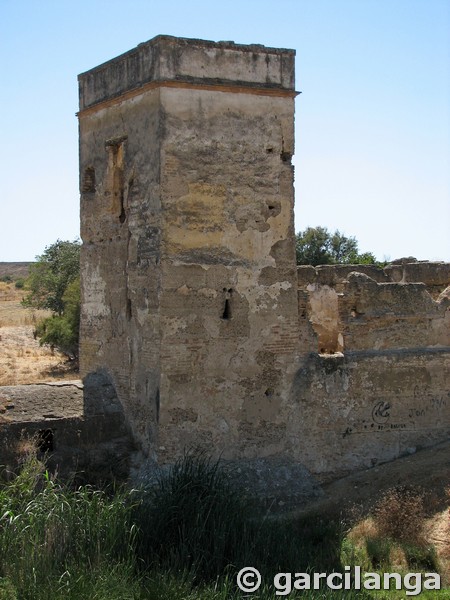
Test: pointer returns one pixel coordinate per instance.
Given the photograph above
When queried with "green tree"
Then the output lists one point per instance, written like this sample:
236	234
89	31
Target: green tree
312	246
50	275
54	284
62	331
343	249
317	246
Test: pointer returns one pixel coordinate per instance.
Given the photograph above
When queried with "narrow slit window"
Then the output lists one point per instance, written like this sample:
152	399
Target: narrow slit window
226	310
226	315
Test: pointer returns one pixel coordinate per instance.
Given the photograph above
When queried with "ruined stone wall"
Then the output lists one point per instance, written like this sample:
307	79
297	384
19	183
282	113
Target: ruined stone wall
79	445
399	306
383	389
192	306
378	316
359	409
434	275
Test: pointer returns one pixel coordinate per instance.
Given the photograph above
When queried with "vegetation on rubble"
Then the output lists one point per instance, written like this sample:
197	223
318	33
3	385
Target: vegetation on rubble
184	538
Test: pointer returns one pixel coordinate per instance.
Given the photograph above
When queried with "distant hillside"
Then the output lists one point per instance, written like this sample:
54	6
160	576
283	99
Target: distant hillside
15	270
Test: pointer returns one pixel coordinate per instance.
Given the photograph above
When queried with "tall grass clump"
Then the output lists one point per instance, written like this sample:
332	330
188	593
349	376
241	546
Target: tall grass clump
193	520
400	517
196	521
55	541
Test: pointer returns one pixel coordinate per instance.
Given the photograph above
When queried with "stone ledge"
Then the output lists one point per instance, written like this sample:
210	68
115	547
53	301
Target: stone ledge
37	402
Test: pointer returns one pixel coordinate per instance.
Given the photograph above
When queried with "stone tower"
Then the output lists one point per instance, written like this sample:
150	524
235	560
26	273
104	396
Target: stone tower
189	286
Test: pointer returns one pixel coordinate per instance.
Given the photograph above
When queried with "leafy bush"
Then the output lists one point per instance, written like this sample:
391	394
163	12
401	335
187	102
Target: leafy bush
51	274
7	590
355	554
20	283
62	331
379	551
421	557
54	284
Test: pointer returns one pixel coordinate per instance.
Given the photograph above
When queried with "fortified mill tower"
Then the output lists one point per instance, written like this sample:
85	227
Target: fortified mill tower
189	284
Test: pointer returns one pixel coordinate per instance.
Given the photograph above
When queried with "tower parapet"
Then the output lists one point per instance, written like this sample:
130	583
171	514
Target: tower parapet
167	60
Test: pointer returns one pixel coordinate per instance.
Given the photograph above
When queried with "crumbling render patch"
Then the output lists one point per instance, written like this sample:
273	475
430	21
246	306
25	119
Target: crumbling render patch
88	184
324	317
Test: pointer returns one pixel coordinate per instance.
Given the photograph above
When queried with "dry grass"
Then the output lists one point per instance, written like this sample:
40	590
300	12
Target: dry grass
22	359
405	531
437	531
8	291
366	528
12	313
400	514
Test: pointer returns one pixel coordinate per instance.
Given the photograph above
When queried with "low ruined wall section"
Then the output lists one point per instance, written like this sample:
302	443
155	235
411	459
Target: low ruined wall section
361	307
435	275
79	431
375	386
389	315
359	409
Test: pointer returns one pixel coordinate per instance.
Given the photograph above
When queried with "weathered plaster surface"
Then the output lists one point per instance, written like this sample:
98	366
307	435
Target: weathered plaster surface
388	393
359	409
189	277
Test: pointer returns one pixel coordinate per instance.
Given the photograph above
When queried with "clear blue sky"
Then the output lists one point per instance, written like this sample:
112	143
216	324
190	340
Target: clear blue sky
372	122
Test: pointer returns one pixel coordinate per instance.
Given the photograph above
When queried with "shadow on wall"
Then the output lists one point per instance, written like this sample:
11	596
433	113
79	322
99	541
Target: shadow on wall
92	445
